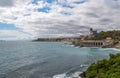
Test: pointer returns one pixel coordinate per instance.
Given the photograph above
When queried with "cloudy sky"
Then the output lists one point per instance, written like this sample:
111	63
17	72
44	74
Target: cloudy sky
30	19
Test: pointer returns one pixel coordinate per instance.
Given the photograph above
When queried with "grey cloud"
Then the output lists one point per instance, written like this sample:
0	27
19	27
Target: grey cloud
92	15
68	28
97	17
98	14
106	20
6	3
113	3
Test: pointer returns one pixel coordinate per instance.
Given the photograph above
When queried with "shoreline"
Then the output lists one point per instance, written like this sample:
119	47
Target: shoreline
76	43
83	73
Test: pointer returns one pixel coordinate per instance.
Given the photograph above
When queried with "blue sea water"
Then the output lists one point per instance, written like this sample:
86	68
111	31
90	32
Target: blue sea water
25	59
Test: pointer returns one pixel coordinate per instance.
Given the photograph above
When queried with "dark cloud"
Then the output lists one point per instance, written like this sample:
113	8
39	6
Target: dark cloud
105	21
113	3
68	28
6	3
65	18
92	15
80	2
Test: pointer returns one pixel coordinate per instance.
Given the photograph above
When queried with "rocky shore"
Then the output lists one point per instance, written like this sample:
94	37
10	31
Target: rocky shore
83	75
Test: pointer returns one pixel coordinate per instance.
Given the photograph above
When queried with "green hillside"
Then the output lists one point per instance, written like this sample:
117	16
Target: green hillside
115	34
105	68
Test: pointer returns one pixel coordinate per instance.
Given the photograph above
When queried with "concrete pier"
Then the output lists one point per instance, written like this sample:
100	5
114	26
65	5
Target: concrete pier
91	43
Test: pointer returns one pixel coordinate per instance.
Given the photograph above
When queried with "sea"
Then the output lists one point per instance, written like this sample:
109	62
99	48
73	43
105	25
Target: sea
27	59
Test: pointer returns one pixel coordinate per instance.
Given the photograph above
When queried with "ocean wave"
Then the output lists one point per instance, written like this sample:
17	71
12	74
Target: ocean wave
64	75
115	49
72	73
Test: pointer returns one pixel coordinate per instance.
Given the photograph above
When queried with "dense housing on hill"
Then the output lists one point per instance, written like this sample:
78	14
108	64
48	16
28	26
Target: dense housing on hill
95	39
106	68
113	34
94	35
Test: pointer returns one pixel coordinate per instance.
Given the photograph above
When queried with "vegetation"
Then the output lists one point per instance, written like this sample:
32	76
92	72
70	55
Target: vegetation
105	68
113	34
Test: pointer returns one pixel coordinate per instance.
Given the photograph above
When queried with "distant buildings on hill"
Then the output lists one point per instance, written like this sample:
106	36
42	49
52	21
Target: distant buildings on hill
89	41
92	33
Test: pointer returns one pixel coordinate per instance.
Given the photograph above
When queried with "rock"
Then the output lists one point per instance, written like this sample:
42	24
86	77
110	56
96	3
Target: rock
83	75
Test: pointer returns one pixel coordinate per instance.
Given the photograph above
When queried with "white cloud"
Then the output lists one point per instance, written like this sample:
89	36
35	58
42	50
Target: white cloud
13	35
62	21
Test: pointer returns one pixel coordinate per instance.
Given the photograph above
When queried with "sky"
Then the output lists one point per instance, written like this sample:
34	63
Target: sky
31	19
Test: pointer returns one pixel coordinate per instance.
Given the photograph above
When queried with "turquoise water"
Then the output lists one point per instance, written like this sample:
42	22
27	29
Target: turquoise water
20	59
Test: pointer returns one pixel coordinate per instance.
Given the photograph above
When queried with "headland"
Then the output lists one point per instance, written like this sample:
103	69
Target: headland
103	39
57	39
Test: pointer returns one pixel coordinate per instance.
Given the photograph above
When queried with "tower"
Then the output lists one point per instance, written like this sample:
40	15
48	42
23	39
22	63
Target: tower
92	33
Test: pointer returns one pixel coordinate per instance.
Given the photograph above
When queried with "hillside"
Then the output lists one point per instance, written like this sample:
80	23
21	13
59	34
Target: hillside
115	34
105	68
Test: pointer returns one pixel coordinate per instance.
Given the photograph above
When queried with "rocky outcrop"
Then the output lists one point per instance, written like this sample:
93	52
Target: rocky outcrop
83	75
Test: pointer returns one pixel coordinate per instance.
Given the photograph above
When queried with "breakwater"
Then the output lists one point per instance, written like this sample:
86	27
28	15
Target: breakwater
96	43
90	43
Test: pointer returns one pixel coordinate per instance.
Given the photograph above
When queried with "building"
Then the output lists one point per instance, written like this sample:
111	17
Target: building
86	41
92	33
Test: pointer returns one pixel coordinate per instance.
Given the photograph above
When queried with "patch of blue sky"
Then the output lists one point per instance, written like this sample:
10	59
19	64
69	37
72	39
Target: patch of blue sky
48	1
44	9
67	6
4	26
35	2
51	1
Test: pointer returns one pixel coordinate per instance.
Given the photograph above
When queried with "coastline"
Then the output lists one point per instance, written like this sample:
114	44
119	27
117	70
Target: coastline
83	73
66	45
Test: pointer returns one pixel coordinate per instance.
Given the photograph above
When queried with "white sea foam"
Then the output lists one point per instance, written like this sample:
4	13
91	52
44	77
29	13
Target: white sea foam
83	65
60	76
115	49
72	45
77	47
64	75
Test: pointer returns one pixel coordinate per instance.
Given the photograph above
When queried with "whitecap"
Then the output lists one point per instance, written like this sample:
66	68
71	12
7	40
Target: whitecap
104	49
64	75
60	76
